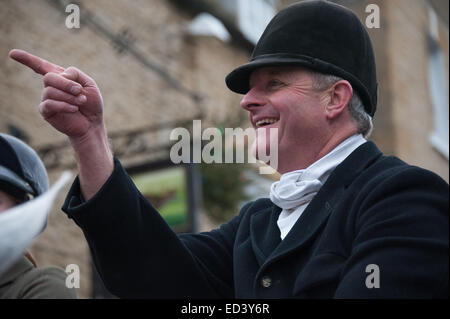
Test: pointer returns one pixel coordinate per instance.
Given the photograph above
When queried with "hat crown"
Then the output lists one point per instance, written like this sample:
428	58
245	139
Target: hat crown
308	27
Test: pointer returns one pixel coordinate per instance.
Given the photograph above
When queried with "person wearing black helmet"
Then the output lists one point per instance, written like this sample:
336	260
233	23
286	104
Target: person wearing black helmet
22	178
344	221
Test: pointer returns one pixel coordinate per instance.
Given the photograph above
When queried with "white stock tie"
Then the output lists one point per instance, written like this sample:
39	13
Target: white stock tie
296	189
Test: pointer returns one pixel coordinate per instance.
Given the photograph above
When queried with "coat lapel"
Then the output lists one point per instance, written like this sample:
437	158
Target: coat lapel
264	224
310	222
264	232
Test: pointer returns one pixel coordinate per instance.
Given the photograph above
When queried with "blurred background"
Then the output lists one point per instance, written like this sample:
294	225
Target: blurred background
160	64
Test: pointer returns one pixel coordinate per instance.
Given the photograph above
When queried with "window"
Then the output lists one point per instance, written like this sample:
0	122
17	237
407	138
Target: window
207	24
253	17
250	17
437	81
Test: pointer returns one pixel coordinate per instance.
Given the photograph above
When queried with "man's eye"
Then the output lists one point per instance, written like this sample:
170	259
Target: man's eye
273	83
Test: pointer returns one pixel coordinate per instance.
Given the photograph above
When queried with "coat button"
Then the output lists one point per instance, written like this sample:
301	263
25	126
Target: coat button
266	282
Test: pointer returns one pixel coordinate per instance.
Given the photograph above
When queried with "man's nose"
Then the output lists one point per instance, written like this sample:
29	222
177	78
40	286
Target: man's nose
252	99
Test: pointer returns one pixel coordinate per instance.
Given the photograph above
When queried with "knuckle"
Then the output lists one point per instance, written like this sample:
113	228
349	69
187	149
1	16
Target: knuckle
43	108
72	72
47	92
49	77
46	104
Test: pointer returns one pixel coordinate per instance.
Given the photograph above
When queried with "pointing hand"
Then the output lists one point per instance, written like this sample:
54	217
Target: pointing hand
71	101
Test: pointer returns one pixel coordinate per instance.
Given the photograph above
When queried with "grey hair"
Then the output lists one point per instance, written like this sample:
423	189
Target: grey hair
358	114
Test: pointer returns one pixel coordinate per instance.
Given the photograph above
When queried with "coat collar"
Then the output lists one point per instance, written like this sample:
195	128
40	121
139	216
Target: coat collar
264	232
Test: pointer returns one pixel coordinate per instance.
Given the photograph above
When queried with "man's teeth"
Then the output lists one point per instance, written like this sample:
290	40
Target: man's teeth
266	121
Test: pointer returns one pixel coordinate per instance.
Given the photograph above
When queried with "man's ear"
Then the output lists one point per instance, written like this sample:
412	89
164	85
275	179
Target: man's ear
340	95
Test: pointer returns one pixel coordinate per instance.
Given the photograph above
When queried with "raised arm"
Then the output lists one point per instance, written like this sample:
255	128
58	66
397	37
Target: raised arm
72	103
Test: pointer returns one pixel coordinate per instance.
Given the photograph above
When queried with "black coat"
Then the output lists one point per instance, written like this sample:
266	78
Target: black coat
373	210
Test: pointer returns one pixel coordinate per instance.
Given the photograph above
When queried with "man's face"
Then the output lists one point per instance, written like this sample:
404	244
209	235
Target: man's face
284	98
6	201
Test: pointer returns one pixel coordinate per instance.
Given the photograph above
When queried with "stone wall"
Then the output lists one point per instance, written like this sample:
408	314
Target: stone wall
135	94
412	114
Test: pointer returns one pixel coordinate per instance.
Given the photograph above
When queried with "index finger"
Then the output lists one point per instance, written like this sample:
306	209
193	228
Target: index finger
35	63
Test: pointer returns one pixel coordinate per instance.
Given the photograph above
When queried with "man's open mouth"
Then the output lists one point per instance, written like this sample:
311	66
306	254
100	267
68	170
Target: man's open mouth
266	121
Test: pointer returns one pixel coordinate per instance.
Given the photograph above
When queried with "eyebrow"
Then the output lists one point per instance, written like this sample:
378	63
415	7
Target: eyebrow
271	72
274	72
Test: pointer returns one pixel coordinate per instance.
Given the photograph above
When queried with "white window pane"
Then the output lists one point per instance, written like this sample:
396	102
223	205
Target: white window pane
437	82
253	17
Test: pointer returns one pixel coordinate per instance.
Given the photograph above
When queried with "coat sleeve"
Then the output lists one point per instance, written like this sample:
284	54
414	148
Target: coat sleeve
45	283
400	248
139	256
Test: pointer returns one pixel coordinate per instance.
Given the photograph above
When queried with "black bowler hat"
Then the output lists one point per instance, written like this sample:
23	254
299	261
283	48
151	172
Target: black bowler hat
322	36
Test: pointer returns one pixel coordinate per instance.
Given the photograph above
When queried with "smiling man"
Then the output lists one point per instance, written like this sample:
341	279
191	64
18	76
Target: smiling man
344	221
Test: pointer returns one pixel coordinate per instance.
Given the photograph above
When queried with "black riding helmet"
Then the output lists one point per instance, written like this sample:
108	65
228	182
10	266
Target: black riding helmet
22	173
319	35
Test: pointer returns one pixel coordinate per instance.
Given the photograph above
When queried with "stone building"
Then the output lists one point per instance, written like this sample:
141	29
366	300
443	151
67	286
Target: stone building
159	66
154	75
411	48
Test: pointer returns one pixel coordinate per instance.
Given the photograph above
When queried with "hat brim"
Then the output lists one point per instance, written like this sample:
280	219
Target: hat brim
238	79
9	177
